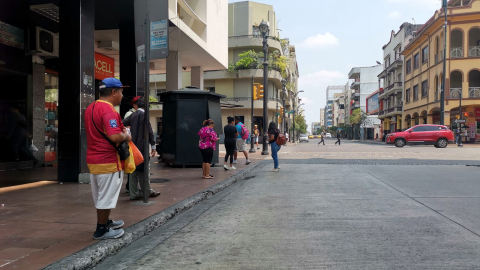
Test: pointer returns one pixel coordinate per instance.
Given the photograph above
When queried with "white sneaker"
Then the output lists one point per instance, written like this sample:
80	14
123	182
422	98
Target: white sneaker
278	168
225	167
248	162
235	161
232	168
274	170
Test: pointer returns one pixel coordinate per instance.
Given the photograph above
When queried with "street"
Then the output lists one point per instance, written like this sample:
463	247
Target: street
354	206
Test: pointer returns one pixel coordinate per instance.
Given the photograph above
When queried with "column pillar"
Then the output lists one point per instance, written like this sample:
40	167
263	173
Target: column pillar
38	94
128	55
197	77
412	123
76	86
174	71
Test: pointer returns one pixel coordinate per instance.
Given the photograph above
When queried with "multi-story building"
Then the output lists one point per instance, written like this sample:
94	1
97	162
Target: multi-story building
245	42
315	126
70	50
329	110
322	117
365	82
391	97
338	109
424	69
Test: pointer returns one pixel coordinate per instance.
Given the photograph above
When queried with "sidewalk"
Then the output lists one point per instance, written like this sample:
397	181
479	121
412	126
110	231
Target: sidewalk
43	222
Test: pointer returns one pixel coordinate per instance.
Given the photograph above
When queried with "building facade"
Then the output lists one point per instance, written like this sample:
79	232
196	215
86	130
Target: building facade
424	69
338	110
365	82
72	46
391	97
322	117
245	41
329	108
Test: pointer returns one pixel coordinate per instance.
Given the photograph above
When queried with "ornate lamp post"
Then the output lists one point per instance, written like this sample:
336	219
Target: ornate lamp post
284	84
264	30
295	110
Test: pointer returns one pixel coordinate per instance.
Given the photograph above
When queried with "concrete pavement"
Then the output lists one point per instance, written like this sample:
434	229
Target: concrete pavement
326	216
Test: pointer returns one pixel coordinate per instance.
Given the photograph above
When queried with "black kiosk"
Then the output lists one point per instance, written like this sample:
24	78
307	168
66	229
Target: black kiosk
183	114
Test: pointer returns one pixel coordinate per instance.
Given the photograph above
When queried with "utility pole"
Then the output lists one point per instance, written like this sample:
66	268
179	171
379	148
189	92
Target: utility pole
442	93
252	134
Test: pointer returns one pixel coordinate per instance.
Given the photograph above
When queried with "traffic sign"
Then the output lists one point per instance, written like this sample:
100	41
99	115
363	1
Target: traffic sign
460	121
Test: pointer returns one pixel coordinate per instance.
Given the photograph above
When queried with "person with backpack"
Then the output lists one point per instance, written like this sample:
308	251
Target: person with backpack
274	136
243	134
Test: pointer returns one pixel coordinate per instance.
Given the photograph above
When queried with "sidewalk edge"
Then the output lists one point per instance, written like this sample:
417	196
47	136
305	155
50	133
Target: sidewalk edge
94	254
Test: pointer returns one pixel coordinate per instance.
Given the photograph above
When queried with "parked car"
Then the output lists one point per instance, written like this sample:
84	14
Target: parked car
436	135
311	136
303	137
328	135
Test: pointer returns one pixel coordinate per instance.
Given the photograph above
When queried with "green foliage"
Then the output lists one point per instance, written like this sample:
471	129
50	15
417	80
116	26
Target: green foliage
358	117
152	99
248	60
231	71
300	124
333	129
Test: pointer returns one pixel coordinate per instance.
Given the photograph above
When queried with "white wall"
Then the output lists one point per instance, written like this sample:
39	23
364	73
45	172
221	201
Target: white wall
217	29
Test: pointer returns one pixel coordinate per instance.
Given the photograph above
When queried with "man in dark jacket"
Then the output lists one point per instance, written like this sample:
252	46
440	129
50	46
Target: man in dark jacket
136	121
338	138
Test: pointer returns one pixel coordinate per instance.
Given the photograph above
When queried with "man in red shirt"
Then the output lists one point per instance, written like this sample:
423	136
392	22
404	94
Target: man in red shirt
106	168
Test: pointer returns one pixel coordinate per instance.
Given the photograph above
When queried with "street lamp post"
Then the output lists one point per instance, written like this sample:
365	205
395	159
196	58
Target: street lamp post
460	143
442	93
264	29
294	111
284	84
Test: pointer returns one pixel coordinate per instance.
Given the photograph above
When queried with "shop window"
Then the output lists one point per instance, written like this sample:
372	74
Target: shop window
51	118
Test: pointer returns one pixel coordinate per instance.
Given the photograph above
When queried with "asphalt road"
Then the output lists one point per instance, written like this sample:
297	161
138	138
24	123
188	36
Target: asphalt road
333	214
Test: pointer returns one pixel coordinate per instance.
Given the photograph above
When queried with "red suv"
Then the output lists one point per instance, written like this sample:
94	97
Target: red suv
436	135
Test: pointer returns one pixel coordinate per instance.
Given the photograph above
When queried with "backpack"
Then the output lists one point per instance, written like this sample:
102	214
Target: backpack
281	139
245	133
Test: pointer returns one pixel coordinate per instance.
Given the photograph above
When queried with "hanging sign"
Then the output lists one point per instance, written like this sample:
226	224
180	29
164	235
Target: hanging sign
104	67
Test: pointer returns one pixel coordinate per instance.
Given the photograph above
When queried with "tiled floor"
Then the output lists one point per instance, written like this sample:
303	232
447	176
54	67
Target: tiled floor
43	222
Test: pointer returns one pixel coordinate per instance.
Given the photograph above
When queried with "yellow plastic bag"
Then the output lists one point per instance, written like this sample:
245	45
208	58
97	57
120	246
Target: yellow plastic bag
130	163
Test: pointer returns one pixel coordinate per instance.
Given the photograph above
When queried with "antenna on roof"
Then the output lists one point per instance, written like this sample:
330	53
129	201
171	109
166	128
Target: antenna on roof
413	19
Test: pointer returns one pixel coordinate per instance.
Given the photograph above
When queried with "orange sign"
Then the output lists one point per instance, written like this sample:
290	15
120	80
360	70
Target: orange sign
104	66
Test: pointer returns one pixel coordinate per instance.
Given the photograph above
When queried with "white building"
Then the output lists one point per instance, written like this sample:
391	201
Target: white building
365	83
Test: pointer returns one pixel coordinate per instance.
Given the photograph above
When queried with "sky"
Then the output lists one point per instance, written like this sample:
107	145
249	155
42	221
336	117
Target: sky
333	36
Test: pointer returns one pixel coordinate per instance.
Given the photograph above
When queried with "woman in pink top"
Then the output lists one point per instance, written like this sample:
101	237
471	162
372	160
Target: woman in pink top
207	144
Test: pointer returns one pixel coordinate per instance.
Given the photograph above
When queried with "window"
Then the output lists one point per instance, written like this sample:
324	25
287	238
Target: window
211	89
409	66
407	95
415	92
432	128
424	89
416	59
425	55
419	129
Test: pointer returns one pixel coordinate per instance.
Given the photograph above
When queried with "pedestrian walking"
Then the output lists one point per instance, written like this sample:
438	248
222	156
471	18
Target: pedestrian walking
287	137
242	134
105	129
207	144
322	138
338	138
257	132
273	132
137	123
231	134
457	133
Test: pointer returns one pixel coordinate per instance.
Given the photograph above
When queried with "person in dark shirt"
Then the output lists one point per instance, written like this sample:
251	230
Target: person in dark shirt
273	132
231	135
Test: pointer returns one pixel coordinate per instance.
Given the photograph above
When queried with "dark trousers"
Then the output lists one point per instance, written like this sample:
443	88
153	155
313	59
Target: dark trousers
322	141
230	145
338	141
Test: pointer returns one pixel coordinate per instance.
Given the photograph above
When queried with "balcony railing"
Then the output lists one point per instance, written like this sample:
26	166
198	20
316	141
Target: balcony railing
474	51
474	92
456	52
395	84
238	99
455	92
380	113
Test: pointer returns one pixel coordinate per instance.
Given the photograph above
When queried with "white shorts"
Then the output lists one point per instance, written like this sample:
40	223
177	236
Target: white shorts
240	145
256	139
106	188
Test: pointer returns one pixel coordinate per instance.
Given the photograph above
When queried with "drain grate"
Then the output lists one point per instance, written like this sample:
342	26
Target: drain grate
159	180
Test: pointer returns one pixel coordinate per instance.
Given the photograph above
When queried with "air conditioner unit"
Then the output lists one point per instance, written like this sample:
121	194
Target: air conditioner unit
46	43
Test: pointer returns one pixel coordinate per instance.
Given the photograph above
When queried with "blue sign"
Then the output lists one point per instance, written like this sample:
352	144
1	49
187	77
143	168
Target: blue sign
158	35
372	104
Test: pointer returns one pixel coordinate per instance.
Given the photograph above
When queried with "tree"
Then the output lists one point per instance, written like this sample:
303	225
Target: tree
357	117
333	129
300	124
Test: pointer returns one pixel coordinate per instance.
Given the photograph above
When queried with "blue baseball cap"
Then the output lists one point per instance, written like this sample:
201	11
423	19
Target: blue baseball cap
111	83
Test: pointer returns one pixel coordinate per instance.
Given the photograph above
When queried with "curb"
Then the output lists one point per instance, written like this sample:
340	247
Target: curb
94	254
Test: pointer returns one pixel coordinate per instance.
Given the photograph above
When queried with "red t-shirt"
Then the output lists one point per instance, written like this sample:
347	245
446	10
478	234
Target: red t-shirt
102	157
